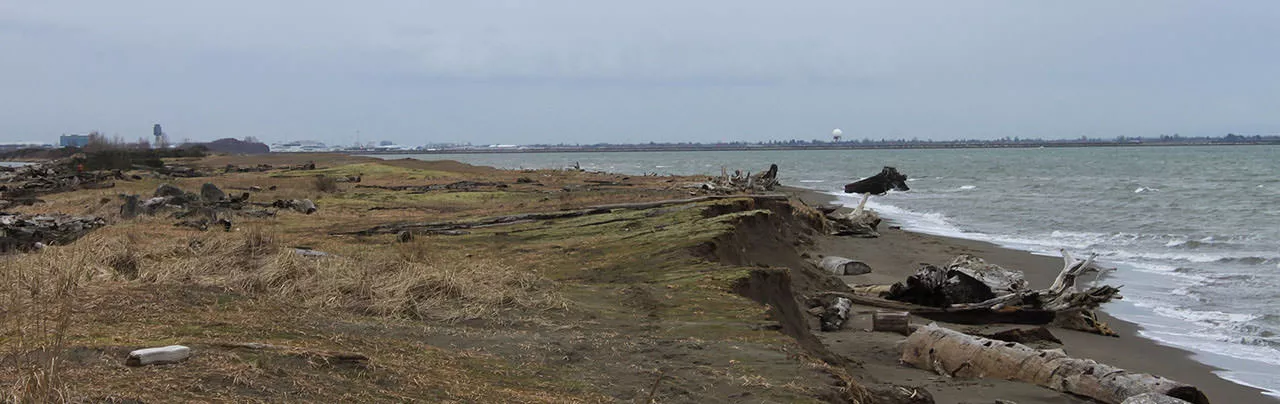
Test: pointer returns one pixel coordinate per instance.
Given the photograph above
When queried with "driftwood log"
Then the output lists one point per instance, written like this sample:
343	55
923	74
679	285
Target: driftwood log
841	266
891	321
327	357
836	314
888	178
438	227
954	354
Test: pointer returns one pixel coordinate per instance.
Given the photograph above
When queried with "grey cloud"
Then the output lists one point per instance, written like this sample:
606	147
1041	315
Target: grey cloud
554	70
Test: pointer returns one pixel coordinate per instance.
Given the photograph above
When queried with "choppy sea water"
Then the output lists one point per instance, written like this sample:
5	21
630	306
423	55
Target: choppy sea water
1194	231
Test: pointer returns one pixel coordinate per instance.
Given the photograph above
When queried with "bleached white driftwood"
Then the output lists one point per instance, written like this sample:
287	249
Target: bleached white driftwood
843	266
157	356
1001	281
954	354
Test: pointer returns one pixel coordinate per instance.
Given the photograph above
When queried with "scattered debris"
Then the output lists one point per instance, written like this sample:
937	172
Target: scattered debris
743	182
299	205
231	168
27	233
158	356
858	224
455	186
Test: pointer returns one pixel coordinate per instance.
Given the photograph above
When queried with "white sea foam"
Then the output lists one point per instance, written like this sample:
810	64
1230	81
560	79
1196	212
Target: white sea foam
967	187
1145	189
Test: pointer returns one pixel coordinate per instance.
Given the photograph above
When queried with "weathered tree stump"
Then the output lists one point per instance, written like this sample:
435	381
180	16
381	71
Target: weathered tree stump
891	321
131	207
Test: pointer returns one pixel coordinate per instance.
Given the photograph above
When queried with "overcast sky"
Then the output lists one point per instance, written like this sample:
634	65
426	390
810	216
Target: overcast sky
550	71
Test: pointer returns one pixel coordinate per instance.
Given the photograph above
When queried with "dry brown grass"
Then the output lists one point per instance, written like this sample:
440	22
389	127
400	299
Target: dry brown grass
38	297
325	184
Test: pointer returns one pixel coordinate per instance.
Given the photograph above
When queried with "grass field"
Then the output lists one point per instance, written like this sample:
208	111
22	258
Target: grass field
624	306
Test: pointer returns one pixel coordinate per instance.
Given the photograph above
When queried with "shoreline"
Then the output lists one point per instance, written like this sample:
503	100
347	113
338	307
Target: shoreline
895	254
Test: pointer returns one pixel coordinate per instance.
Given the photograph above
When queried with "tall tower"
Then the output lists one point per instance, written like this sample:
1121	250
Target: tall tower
159	134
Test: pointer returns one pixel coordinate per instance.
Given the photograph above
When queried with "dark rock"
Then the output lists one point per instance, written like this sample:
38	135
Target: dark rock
168	190
202	224
211	193
404	236
131	207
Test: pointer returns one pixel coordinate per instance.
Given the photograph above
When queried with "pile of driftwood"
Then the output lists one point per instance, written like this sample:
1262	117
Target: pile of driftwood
210	206
740	182
26	233
972	291
22	186
854	224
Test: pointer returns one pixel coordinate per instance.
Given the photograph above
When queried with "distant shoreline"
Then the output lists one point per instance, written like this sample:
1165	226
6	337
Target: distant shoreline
695	148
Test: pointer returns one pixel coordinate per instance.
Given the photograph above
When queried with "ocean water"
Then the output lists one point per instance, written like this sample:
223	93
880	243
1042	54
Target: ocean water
1194	231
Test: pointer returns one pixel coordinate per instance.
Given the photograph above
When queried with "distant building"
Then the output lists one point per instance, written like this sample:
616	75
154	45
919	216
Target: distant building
73	140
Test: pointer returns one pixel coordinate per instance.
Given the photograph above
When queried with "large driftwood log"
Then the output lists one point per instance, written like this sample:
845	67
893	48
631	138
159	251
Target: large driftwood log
954	354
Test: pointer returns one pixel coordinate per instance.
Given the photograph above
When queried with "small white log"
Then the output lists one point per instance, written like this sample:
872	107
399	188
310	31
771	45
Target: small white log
157	356
840	266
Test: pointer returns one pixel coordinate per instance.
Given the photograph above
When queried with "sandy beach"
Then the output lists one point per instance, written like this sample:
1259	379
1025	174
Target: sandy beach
896	255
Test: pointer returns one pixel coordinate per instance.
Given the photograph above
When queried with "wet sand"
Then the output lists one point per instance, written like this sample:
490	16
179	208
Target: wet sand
896	255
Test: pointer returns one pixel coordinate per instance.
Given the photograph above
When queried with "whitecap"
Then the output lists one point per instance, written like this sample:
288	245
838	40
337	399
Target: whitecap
967	187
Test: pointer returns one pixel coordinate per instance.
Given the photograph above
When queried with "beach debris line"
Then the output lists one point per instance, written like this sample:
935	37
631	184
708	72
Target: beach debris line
888	179
739	181
971	291
210	206
955	354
